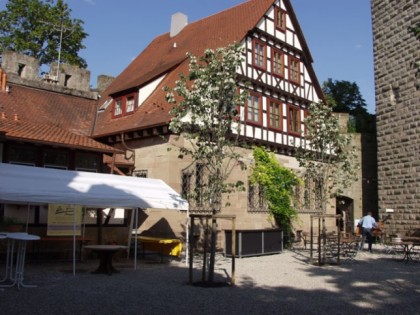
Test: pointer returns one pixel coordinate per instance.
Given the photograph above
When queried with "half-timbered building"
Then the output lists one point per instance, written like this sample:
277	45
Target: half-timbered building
134	115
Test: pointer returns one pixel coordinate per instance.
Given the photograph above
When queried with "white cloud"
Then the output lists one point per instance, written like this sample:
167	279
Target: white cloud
359	46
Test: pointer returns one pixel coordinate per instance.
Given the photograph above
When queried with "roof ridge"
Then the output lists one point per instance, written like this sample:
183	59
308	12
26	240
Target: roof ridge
195	38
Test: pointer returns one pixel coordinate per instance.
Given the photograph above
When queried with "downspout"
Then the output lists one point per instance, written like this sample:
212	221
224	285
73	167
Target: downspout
92	132
128	149
113	162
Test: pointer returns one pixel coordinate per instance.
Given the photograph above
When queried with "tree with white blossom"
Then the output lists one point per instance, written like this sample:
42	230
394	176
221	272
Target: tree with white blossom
205	112
327	156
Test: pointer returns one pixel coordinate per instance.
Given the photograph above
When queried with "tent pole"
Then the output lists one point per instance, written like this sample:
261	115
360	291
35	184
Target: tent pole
27	219
74	239
130	232
187	240
135	239
83	226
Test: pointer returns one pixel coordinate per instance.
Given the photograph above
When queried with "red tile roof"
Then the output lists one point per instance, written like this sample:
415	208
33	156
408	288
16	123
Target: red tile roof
23	130
35	115
167	55
218	30
72	113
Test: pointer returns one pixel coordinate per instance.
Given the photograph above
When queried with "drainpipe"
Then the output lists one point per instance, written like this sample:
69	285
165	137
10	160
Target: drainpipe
128	149
1	79
113	163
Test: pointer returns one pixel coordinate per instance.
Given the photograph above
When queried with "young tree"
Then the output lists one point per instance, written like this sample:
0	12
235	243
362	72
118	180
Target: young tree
278	185
206	115
43	30
345	97
327	156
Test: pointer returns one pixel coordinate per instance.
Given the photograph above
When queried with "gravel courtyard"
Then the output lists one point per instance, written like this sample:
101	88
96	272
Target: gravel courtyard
285	283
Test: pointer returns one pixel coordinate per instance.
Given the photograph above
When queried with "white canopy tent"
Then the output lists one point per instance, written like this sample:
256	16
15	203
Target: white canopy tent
35	185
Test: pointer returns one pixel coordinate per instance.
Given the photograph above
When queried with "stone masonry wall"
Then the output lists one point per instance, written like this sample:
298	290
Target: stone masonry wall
397	85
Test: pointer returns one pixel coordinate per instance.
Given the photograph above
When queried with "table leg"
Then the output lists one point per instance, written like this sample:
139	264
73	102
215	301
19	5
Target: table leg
20	265
105	262
9	262
407	253
17	278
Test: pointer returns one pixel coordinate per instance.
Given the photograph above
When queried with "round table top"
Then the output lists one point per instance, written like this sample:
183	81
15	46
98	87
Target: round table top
105	247
402	243
23	236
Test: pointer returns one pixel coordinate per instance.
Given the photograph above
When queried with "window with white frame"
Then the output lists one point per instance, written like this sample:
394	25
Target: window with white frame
130	104
118	109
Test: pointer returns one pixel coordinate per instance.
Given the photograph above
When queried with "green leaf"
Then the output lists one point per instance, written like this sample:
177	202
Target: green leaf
36	28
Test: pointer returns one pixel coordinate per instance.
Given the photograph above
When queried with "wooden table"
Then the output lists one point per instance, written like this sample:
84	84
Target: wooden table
414	239
105	254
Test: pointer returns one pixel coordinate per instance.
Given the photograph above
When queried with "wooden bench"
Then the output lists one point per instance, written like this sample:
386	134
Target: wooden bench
45	245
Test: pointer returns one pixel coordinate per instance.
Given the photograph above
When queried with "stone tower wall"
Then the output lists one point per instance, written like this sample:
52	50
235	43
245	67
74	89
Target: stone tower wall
397	85
23	66
72	77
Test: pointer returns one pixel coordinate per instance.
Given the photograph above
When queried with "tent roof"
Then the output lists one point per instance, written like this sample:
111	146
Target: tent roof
26	184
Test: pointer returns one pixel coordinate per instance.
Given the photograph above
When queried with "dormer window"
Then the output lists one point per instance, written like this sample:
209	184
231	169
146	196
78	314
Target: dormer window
280	19
118	107
259	54
130	104
124	105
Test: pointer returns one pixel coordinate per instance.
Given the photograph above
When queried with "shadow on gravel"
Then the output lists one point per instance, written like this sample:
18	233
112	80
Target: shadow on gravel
371	285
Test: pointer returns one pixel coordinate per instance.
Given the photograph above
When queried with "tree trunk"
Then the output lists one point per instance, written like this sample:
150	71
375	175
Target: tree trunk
212	248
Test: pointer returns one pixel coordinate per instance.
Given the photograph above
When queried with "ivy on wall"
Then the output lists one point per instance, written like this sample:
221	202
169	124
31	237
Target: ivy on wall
278	184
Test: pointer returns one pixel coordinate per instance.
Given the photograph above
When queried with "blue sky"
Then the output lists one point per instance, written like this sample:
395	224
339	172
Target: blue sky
338	33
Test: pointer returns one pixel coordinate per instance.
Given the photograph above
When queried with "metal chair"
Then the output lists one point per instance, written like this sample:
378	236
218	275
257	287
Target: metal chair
350	247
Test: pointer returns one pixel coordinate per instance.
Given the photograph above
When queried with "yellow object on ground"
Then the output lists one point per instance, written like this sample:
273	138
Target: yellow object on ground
164	246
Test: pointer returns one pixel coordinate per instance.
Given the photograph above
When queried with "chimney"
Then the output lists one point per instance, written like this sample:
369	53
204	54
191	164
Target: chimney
178	22
3	80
